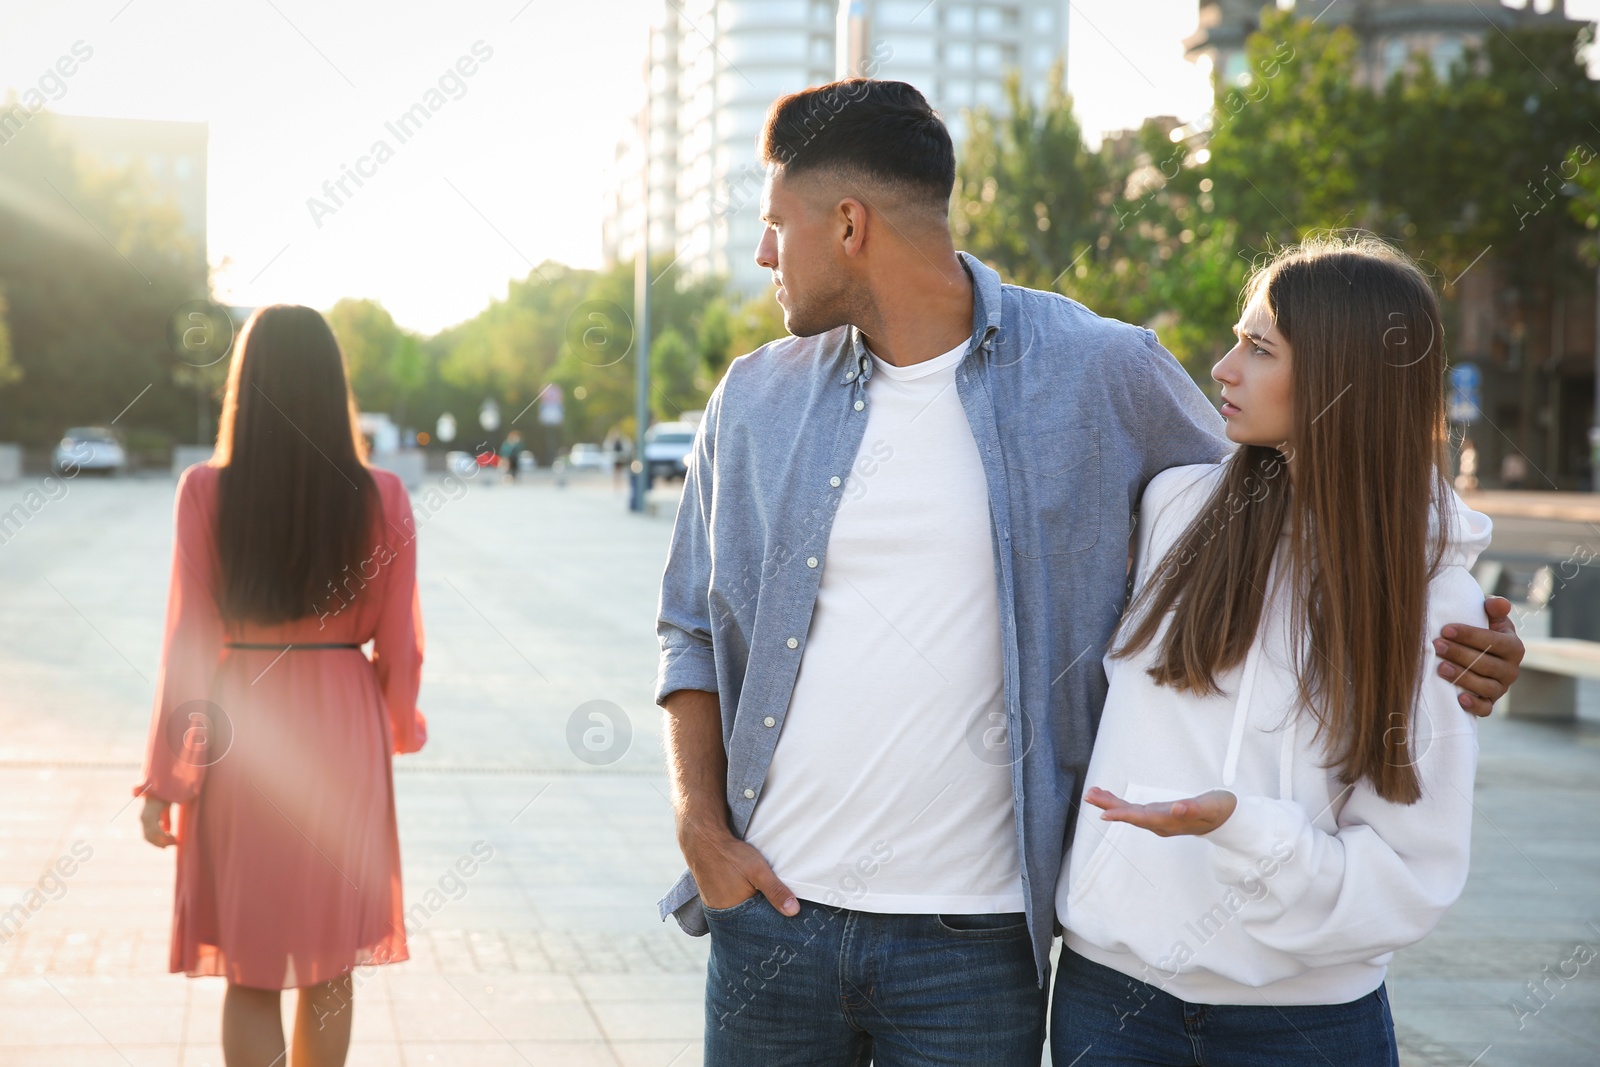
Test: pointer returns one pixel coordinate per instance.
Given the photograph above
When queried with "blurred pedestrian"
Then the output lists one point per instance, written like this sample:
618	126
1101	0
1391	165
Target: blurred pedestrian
511	453
272	731
1514	471
616	450
1467	470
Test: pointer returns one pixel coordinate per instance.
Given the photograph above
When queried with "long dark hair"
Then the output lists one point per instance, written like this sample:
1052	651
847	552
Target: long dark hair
1368	452
295	497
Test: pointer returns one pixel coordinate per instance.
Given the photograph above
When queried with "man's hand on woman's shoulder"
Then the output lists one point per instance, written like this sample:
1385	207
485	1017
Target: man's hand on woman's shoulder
1483	663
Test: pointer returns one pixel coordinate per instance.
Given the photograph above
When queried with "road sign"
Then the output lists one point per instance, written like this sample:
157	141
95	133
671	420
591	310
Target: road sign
1466	392
550	405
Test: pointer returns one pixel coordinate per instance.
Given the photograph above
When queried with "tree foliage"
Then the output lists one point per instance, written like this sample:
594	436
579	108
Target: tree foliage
93	264
1492	158
9	371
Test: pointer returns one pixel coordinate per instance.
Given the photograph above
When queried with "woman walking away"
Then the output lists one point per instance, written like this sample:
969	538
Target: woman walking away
1280	794
272	730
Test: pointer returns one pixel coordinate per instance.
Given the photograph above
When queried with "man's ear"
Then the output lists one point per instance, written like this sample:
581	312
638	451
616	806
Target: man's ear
852	225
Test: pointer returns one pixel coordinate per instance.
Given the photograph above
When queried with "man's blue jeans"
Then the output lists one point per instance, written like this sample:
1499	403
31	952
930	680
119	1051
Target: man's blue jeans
1102	1017
832	987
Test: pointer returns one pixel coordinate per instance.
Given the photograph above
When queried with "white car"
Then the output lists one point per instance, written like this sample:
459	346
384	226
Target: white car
587	457
90	448
666	449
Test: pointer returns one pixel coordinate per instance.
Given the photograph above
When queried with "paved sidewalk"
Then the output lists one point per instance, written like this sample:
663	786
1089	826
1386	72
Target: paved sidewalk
538	601
1563	507
535	602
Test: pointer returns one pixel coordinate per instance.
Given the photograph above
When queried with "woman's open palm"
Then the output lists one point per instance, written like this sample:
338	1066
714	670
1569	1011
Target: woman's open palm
1194	815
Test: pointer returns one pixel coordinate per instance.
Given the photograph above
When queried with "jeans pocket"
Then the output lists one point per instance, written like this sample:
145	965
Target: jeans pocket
994	927
747	904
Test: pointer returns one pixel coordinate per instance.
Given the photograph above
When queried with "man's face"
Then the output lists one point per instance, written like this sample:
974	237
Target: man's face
801	247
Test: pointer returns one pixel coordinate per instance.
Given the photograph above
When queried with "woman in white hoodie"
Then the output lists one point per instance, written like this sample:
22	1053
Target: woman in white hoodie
1280	791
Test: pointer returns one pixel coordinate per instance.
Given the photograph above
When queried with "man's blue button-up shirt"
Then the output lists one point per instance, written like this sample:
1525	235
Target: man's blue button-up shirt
1072	414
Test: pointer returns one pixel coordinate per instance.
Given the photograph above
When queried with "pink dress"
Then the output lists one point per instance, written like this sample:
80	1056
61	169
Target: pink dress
279	761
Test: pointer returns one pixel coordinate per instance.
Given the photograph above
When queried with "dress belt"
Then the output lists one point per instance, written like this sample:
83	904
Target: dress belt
285	647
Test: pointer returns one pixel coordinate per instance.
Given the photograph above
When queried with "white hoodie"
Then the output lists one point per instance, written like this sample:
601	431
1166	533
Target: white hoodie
1304	893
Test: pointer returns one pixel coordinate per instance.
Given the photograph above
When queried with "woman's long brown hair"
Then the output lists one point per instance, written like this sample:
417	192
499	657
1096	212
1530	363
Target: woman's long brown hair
1369	461
295	496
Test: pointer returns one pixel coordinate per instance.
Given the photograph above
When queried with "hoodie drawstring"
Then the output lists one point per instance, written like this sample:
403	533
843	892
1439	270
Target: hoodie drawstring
1247	689
1286	759
1241	708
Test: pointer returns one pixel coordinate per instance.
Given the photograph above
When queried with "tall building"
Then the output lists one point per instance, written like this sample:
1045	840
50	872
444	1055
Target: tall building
1390	31
958	54
735	58
716	66
623	194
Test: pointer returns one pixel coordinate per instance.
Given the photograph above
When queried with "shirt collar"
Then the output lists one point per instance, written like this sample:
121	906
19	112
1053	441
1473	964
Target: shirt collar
986	308
986	303
857	360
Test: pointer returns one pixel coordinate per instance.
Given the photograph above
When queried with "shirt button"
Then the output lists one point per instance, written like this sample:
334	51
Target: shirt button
860	404
792	643
834	481
770	722
811	562
749	794
850	377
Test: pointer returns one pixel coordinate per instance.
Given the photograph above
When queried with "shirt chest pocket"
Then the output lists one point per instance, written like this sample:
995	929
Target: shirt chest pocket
1054	480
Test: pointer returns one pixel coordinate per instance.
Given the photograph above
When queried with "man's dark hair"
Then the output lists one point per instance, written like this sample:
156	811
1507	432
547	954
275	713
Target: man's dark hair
883	131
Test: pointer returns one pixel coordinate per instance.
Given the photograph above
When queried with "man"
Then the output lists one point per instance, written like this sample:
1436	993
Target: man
902	548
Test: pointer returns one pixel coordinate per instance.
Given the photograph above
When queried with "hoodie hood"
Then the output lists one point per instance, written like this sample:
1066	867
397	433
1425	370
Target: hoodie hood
1470	531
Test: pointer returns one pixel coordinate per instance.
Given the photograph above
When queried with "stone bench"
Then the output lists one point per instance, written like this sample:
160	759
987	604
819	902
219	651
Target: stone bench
1547	690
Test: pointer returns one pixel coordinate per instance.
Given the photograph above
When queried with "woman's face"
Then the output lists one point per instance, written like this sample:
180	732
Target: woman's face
1255	381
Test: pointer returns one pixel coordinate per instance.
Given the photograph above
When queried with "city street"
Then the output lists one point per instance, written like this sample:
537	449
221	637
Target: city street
536	602
539	603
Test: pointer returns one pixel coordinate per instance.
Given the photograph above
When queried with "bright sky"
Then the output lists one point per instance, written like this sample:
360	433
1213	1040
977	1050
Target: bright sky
503	177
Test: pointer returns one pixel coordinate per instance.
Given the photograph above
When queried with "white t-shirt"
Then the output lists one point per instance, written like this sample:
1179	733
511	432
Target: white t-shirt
888	791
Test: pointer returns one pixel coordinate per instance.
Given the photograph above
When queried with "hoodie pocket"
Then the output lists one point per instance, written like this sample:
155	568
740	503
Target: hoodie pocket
1143	893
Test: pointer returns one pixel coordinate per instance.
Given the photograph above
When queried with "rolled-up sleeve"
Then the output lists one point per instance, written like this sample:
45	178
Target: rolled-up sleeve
683	618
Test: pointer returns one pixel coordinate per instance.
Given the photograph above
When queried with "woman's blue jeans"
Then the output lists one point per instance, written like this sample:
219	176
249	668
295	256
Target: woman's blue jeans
1102	1017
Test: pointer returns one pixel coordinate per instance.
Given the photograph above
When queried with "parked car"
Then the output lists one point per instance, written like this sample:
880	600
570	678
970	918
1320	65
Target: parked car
666	449
90	448
587	457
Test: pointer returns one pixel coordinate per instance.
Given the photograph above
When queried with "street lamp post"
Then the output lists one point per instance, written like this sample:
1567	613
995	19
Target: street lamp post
641	299
1594	420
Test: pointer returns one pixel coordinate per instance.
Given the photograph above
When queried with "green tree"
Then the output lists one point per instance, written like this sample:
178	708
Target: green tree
752	322
9	371
94	263
1533	114
408	372
674	376
1291	148
388	366
1029	198
1495	157
1112	229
